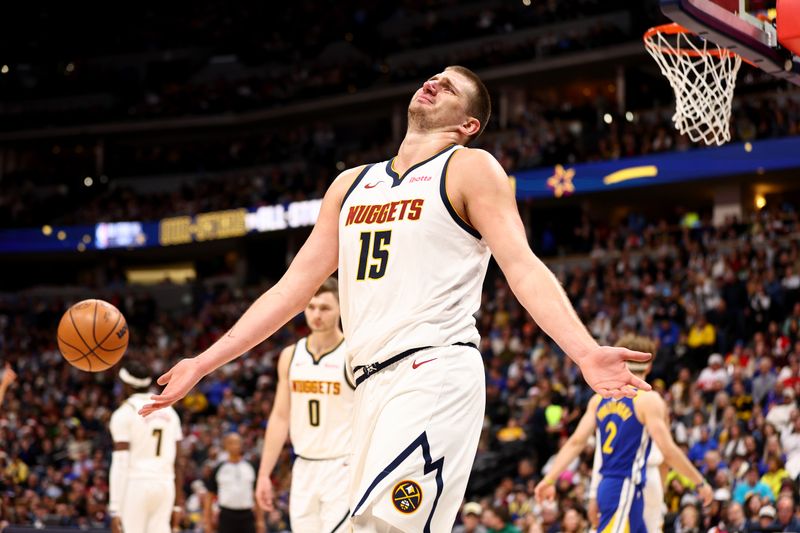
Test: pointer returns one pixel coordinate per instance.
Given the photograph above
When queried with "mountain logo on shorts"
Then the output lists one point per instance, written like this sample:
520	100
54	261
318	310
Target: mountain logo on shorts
407	496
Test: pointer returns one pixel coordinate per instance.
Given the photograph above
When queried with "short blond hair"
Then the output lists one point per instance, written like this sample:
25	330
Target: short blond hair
638	343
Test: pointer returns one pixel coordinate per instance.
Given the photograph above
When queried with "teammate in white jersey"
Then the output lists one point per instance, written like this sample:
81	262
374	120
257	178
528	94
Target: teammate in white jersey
146	478
411	238
314	407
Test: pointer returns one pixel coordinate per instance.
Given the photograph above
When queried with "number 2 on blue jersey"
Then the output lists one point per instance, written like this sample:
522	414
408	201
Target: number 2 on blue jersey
611	433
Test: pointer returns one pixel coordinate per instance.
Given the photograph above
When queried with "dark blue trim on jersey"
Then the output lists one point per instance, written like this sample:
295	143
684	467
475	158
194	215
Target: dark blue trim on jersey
337	526
355	183
430	466
450	209
314	359
397	179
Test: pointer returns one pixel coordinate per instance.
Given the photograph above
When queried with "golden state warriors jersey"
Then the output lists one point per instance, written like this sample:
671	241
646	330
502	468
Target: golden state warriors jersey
321	408
410	269
624	443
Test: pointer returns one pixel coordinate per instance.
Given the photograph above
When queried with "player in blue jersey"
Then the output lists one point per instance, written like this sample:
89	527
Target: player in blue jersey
625	430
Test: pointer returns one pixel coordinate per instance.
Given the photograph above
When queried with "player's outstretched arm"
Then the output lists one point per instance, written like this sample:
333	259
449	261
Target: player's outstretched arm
276	433
316	261
8	378
652	410
482	190
545	490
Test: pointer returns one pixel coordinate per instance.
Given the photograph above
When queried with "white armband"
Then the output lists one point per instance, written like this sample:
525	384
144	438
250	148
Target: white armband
117	480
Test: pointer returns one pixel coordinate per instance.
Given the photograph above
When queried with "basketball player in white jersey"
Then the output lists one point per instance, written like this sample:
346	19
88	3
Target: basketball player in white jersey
650	411
145	479
314	407
411	238
654	508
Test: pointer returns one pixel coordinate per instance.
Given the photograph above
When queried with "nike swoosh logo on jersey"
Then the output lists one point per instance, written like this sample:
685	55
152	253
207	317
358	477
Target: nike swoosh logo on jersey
417	364
371	185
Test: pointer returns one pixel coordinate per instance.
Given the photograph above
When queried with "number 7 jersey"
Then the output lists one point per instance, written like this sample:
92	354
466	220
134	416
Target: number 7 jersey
410	269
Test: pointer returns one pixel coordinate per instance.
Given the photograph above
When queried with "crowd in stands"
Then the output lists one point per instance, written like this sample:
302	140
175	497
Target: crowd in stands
211	58
298	163
723	303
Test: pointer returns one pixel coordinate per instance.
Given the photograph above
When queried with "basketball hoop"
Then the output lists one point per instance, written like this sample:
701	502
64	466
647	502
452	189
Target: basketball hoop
702	75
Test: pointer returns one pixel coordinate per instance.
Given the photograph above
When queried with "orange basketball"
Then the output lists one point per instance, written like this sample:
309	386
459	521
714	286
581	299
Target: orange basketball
92	335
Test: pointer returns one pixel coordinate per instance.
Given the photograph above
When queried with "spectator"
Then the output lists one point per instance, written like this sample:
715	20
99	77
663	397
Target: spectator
735	521
496	520
780	415
701	339
775	474
705	444
714	377
471	519
751	484
766	519
787	520
5	382
764	381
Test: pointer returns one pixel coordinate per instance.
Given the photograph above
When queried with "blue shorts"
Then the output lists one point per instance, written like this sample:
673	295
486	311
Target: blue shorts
621	506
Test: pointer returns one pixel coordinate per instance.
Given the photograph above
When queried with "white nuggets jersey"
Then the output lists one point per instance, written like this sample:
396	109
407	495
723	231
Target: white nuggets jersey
410	269
152	439
321	408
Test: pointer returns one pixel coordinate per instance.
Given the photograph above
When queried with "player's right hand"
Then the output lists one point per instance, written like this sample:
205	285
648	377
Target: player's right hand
264	495
179	380
545	490
116	525
706	494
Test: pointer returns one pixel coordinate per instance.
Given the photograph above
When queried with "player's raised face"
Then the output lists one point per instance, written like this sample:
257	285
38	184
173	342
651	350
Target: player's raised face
322	312
441	103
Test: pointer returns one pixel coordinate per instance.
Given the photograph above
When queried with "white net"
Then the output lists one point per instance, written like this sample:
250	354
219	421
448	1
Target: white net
703	77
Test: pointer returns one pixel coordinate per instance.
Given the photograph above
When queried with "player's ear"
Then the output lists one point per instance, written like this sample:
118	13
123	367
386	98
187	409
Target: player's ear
470	127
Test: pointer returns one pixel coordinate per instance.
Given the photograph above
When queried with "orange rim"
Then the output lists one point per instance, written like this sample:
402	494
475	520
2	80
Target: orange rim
675	29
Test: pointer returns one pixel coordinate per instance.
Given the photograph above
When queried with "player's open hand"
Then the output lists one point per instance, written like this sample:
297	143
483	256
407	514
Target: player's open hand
605	371
264	495
545	490
706	494
8	376
179	380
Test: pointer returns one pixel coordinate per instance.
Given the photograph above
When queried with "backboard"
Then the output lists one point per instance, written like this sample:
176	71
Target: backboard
772	46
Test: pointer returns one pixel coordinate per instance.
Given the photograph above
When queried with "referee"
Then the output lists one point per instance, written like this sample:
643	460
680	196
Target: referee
233	482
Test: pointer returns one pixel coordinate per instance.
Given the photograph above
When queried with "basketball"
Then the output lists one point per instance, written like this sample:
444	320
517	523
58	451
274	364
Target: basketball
92	335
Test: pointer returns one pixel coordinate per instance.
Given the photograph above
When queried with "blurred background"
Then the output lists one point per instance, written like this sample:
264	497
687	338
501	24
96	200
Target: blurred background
170	158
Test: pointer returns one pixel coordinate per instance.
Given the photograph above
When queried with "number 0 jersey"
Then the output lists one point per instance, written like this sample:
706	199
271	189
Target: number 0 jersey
623	441
410	269
152	440
321	403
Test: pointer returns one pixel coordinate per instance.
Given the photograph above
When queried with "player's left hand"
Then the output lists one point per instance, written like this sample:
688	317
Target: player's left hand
605	371
8	375
545	490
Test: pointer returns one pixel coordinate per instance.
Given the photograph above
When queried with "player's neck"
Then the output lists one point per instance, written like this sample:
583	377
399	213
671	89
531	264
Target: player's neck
418	146
322	342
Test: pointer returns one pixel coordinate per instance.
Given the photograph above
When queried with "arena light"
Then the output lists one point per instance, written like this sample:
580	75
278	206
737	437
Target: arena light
47	230
88	181
748	147
760	201
4	69
526	2
607	118
629	116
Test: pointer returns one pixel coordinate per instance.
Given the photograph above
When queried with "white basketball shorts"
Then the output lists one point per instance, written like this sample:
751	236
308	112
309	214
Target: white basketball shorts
416	430
318	498
147	506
